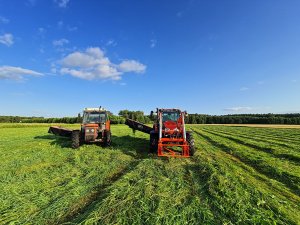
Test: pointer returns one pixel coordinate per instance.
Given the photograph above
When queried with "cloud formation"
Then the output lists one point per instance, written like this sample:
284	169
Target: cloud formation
7	39
62	3
153	43
239	109
3	20
93	64
111	42
60	42
16	73
132	66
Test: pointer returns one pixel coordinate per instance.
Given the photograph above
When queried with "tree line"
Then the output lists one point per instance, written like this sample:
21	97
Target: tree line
270	118
114	119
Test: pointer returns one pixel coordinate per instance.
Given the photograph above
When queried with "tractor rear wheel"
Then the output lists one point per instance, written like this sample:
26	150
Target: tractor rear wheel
153	143
75	138
191	142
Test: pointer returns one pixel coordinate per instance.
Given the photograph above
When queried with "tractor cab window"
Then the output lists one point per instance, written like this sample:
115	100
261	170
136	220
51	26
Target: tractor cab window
94	117
173	116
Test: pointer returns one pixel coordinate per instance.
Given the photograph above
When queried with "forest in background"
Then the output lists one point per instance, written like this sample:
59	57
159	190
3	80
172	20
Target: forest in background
292	118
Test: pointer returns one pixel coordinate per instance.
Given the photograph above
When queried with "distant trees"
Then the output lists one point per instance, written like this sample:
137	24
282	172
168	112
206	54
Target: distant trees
116	119
135	115
244	119
190	119
20	119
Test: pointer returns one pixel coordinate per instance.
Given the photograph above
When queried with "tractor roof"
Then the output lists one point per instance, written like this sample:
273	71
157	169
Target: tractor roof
169	110
100	109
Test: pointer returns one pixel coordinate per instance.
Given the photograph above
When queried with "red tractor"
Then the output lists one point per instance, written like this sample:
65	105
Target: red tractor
168	137
95	128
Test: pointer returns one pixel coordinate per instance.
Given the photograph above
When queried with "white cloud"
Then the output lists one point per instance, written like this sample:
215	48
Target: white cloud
153	43
132	66
93	64
244	89
41	32
69	28
62	3
3	20
239	109
42	50
60	42
111	42
7	39
16	73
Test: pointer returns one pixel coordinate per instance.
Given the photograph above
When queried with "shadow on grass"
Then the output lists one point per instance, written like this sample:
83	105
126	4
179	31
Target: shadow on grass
63	142
133	146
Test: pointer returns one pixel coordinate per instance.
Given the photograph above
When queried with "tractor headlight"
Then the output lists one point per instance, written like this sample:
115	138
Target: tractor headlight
89	130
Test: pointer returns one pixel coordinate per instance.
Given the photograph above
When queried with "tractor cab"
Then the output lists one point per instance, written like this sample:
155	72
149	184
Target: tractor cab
95	125
94	117
171	121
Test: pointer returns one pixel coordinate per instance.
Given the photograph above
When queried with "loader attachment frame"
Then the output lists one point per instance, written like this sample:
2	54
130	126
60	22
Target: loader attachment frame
165	148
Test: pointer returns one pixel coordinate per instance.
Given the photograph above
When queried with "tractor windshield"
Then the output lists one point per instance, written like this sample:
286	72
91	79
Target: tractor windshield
94	117
173	116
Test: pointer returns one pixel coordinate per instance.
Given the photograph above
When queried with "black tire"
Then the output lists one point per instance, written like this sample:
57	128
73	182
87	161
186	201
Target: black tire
191	142
81	139
153	143
75	138
107	138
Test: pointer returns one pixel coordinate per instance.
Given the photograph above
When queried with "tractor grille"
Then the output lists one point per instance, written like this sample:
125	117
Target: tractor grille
89	138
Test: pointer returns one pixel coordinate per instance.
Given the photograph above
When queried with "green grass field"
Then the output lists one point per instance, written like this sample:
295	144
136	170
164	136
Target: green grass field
239	175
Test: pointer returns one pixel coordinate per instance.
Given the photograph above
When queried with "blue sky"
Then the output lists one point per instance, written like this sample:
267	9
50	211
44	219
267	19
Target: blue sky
214	57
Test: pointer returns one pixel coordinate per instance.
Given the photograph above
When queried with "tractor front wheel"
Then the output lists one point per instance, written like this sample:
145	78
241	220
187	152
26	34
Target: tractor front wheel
107	138
75	138
153	143
191	142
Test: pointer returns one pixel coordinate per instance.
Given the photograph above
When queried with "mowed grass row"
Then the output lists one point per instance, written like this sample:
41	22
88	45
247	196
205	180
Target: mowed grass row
259	199
282	142
286	135
289	152
44	181
158	191
276	168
